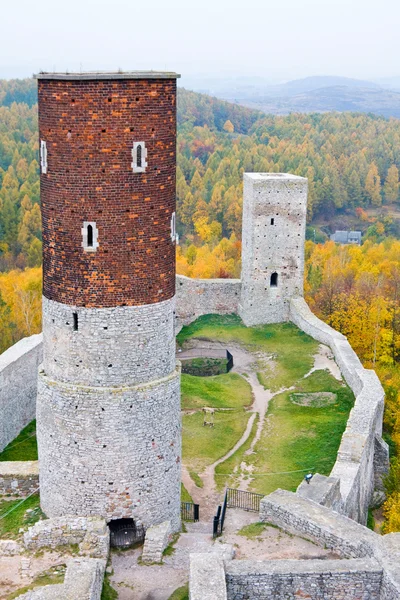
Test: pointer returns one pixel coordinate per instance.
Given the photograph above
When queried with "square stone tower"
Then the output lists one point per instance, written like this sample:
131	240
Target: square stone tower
108	409
274	223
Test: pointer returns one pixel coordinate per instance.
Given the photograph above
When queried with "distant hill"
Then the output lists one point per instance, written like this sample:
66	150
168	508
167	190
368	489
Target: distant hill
314	94
308	84
338	98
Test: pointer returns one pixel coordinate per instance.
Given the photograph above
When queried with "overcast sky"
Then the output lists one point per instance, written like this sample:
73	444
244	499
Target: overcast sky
278	39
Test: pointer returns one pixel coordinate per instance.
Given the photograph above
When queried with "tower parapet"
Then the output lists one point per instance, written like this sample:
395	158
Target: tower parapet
274	221
108	413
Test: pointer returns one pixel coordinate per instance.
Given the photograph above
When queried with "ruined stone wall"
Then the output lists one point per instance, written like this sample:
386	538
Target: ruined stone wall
18	386
83	580
363	455
196	297
19	478
313	579
91	534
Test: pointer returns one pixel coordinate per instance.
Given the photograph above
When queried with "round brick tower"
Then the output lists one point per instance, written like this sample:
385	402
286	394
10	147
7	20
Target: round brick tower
108	411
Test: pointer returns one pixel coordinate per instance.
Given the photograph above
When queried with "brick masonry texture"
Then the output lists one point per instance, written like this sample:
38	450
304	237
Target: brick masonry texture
19	478
111	451
273	235
89	127
113	346
18	385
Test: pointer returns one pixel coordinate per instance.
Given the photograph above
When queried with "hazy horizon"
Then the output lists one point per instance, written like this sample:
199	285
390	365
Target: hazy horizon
291	40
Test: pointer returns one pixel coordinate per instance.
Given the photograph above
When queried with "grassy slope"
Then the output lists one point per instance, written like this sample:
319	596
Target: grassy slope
229	394
300	437
23	447
291	349
203	445
219	391
294	437
12	522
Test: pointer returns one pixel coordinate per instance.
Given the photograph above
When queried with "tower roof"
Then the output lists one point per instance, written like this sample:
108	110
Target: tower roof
93	75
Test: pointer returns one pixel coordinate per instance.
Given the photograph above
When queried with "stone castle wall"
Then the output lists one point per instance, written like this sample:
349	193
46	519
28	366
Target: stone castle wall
145	350
273	236
83	580
90	127
197	297
312	579
18	386
368	566
19	478
122	452
363	456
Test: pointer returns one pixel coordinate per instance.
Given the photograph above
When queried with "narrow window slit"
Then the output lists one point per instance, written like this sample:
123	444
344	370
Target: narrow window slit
90	236
274	280
75	317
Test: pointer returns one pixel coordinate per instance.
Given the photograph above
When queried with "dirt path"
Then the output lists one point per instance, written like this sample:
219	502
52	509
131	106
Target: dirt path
245	364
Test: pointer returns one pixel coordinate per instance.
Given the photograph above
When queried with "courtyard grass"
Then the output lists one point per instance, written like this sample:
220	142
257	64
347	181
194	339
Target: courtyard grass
229	390
253	530
14	516
181	593
23	447
185	496
203	445
290	351
227	473
299	437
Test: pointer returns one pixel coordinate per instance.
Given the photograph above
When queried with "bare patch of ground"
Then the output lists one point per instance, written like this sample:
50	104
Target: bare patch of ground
134	581
14	577
314	399
324	359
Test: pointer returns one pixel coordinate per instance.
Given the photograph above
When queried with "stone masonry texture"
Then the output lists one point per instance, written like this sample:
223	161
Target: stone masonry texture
108	408
112	346
196	297
18	386
89	127
90	533
19	478
157	539
111	451
273	235
312	579
83	581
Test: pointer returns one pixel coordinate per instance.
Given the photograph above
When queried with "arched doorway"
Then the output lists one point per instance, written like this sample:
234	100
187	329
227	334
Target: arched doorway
125	533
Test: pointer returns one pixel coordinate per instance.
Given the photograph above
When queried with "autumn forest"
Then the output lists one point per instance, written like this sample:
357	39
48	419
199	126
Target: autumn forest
352	163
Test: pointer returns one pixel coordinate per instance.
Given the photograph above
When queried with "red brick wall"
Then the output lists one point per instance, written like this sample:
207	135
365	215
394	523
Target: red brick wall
89	128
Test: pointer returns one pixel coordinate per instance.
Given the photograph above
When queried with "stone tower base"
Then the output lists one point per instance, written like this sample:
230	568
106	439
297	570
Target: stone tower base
111	451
